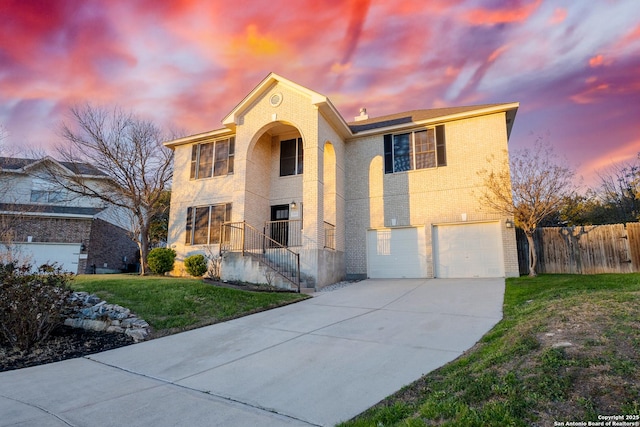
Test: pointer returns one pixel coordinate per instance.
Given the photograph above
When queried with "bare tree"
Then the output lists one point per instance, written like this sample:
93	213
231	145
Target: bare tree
619	192
529	187
4	134
129	151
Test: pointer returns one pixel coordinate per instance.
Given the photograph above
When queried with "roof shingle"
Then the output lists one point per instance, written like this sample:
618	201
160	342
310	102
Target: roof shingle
412	117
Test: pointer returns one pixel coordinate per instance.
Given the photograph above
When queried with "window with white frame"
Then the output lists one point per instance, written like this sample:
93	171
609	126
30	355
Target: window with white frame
204	223
419	149
291	157
212	158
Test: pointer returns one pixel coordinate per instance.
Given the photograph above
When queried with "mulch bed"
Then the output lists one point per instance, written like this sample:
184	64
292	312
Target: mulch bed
64	343
245	286
68	343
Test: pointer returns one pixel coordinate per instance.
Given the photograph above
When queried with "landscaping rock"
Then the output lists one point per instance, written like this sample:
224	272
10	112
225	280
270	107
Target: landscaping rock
96	315
562	344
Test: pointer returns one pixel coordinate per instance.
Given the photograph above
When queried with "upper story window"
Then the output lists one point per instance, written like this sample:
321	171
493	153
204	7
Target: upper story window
291	157
420	149
212	158
43	191
47	196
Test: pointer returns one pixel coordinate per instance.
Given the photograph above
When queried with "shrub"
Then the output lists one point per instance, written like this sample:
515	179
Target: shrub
32	305
196	265
161	260
215	262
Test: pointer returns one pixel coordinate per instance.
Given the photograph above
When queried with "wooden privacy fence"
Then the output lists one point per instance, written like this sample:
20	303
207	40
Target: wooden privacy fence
585	249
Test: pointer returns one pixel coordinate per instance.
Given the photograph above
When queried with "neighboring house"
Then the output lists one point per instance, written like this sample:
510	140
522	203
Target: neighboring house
387	197
41	223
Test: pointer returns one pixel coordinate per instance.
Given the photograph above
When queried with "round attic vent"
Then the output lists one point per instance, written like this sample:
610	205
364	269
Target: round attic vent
276	99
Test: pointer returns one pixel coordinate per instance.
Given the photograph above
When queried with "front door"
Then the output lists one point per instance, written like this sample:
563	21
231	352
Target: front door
280	224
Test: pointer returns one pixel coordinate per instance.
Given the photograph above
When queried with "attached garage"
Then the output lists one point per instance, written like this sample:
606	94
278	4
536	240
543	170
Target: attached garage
468	250
396	253
65	254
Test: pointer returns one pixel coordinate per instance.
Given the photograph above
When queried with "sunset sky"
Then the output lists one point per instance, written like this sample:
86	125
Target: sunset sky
574	65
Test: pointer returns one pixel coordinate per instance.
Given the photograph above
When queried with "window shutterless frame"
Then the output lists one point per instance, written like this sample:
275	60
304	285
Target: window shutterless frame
203	223
418	149
291	157
214	158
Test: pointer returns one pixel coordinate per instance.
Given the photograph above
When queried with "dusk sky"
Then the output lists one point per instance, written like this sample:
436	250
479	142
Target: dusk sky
574	65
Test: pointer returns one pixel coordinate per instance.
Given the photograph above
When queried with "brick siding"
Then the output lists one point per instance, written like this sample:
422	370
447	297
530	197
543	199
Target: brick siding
108	246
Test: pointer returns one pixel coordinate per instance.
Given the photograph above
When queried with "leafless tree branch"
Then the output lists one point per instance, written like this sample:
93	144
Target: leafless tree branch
530	187
129	151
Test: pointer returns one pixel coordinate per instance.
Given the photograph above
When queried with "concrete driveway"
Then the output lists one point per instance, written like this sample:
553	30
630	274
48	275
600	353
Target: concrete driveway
317	362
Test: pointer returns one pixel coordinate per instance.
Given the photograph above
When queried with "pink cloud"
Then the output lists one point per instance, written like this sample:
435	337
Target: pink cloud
593	91
624	153
598	61
630	38
498	52
51	41
519	12
189	62
559	15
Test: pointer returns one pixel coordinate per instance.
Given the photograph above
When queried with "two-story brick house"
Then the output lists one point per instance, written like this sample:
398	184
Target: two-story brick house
41	222
394	196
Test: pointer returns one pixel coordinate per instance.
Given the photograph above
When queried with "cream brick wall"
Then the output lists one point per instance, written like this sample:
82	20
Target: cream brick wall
426	196
198	192
333	179
343	182
256	184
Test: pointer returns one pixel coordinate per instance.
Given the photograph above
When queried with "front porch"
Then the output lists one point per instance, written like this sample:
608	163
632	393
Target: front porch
274	255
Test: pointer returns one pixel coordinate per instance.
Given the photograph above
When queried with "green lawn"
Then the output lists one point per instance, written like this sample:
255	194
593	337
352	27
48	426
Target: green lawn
172	304
568	349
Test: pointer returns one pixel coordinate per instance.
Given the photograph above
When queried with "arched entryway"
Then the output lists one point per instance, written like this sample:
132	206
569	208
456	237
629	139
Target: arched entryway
273	182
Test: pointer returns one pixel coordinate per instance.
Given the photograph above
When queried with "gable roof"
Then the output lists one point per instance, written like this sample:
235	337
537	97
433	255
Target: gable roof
322	102
358	128
21	165
418	117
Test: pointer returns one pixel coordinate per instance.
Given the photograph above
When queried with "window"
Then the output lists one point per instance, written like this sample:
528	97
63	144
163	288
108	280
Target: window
291	157
44	191
420	149
203	223
47	196
212	158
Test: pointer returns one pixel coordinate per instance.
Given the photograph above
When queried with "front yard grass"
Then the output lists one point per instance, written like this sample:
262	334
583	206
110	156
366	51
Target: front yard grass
567	350
171	304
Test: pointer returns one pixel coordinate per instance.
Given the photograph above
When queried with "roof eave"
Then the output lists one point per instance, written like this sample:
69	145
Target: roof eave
509	108
200	137
330	112
25	169
49	214
231	120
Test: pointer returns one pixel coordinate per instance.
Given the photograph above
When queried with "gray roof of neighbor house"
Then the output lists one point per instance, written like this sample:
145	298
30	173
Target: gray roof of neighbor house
412	117
48	209
17	164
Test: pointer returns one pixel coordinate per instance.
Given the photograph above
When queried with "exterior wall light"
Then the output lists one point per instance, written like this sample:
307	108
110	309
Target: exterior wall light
509	223
293	205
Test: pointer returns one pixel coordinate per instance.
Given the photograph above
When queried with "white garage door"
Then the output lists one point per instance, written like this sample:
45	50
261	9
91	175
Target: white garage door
468	250
65	254
396	253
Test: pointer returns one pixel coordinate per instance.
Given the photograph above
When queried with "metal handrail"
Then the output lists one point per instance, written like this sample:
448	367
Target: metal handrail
288	232
242	237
